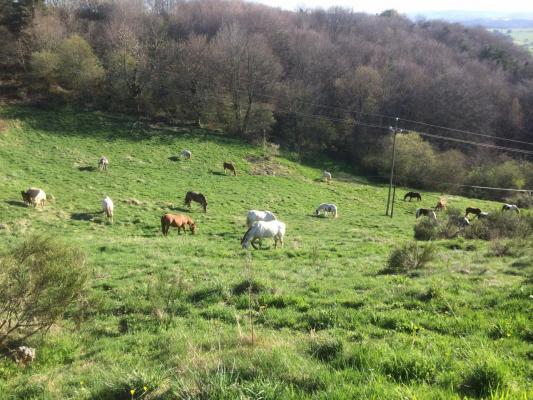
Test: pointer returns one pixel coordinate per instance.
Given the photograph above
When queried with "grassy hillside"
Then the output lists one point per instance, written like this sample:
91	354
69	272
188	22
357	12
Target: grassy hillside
168	318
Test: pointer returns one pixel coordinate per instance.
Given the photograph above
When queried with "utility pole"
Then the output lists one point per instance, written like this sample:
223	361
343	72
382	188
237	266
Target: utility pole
393	159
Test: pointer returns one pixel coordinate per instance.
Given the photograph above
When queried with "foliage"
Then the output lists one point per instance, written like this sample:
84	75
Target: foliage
426	229
39	279
72	65
410	256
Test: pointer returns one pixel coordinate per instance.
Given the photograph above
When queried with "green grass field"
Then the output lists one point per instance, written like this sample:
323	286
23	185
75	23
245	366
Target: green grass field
168	317
521	36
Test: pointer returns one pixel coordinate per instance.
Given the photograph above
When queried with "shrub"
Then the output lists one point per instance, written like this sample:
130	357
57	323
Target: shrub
501	225
511	248
39	279
483	379
409	257
522	200
426	229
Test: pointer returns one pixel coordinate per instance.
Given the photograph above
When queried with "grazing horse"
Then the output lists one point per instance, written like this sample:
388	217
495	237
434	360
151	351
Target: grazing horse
473	210
179	221
441	204
229	166
103	162
264	229
513	207
327	208
326	176
197	197
107	206
186	154
254	216
412	195
34	197
428	212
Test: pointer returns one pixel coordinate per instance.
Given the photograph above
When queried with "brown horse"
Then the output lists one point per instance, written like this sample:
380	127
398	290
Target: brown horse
197	197
412	195
441	204
178	221
472	210
230	167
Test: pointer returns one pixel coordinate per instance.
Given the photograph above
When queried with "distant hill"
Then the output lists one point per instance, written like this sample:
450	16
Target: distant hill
485	19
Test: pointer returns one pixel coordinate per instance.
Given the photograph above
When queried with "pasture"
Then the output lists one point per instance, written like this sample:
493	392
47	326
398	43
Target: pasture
168	317
521	36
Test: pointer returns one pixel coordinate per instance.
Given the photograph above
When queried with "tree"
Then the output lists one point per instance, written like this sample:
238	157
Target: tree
248	71
39	279
72	66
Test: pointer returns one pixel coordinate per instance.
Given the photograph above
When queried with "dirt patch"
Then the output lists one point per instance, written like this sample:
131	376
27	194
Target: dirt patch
266	165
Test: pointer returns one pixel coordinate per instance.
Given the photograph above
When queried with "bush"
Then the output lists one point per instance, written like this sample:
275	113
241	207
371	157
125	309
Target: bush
522	200
39	279
501	225
409	257
426	229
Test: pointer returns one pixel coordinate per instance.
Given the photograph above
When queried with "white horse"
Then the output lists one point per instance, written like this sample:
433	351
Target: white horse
254	216
327	208
428	212
34	196
326	176
107	206
103	162
513	207
186	154
264	229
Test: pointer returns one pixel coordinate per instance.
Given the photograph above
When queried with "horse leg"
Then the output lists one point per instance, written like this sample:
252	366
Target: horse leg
253	244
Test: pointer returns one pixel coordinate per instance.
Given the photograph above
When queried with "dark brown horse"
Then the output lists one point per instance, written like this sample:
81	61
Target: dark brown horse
472	210
179	221
230	167
197	197
412	195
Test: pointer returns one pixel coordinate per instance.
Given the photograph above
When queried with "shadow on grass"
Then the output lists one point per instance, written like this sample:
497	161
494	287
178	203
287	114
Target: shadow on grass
16	203
87	216
218	173
174	158
87	168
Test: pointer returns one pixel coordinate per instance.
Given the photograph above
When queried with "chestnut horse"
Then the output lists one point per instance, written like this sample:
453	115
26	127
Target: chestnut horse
441	204
229	166
412	195
472	210
178	221
197	197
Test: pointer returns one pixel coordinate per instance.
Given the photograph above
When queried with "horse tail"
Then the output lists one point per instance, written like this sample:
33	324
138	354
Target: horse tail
246	234
163	224
406	196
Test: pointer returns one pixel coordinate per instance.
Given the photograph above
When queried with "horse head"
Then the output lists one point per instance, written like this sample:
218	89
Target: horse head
193	227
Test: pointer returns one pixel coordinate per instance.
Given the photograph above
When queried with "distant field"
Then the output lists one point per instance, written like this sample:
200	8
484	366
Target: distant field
523	37
168	316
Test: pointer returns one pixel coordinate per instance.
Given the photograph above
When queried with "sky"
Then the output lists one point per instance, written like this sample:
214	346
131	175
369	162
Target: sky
408	6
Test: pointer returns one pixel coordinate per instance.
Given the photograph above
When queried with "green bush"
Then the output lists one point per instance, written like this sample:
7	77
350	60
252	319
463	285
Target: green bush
499	225
426	229
410	256
39	279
